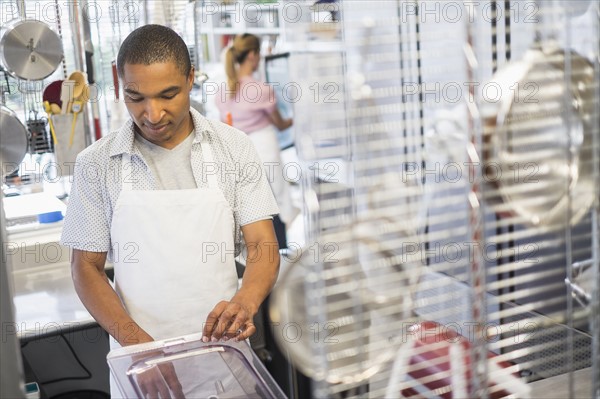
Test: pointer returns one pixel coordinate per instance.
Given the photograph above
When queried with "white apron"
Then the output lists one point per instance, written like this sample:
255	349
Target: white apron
173	255
267	146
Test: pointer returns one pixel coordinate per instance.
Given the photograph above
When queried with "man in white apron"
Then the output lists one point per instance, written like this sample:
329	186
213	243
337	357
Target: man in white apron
165	198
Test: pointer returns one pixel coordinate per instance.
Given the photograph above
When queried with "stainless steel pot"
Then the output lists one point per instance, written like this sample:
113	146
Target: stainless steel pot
13	141
538	137
30	50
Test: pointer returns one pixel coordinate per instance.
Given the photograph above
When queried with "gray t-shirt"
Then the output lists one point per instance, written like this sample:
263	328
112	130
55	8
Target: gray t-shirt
172	169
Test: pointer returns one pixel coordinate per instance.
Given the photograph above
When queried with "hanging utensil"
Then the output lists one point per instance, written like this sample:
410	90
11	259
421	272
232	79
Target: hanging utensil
30	50
76	108
86	95
49	112
115	76
80	81
13	143
52	93
39	142
66	95
55	109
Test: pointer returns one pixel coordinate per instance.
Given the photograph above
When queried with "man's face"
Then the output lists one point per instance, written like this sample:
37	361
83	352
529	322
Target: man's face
157	97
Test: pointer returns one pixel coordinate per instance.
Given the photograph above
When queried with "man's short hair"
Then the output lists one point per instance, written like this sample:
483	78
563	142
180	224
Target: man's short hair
150	44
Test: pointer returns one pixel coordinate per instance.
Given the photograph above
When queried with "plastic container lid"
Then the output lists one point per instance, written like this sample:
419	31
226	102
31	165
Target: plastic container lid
190	368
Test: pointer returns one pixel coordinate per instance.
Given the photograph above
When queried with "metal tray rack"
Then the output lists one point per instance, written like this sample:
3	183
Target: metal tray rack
451	206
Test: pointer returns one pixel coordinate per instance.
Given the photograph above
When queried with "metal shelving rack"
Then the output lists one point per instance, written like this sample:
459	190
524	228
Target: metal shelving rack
430	277
219	20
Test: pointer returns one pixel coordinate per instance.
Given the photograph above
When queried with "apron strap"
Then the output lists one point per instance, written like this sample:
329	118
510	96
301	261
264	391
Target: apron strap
209	159
126	172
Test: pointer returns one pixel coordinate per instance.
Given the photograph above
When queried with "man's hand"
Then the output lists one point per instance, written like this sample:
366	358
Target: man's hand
235	318
160	382
228	320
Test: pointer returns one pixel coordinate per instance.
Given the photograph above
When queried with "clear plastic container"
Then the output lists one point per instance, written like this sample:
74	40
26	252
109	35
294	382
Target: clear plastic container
187	367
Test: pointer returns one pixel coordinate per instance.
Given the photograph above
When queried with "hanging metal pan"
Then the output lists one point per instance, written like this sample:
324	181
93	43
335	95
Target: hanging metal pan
30	50
13	141
538	137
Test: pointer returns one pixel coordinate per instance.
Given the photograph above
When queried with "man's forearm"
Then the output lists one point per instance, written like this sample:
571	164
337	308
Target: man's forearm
262	268
234	318
103	303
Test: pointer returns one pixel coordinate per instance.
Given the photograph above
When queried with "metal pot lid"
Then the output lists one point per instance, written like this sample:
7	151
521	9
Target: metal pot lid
13	141
30	50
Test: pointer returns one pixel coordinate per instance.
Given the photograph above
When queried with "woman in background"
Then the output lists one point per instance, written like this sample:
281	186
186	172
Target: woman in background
250	106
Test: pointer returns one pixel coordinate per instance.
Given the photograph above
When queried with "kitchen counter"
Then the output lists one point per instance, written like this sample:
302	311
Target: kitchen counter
63	348
46	302
44	296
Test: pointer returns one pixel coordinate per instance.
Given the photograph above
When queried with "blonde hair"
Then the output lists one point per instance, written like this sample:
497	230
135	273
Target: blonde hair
236	54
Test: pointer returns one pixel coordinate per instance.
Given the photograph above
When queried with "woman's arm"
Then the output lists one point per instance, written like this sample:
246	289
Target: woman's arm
278	121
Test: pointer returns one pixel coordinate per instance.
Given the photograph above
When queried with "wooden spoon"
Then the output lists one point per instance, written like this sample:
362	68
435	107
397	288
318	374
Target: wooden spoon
75	108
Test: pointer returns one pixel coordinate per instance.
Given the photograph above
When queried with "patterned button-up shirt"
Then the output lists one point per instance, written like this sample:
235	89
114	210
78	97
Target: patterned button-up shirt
98	175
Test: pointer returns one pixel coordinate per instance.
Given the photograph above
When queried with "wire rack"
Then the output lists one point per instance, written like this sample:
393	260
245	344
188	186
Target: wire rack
450	156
